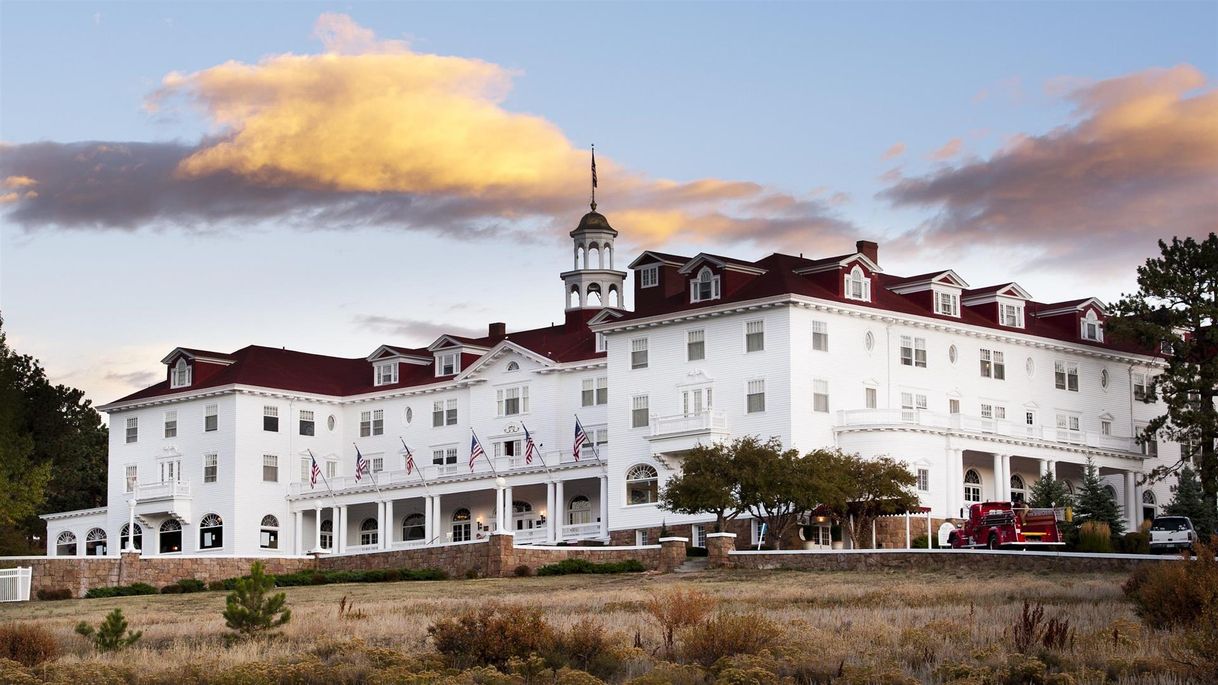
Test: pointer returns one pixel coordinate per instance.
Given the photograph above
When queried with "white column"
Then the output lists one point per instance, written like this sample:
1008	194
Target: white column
130	529
340	529
508	511
559	510
429	520
1130	505
387	532
1006	477
1138	491
550	513
498	509
298	532
604	507
998	487
437	527
908	540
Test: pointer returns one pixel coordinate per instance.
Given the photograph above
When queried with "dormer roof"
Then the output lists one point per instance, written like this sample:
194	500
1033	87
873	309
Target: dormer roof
198	355
1071	306
651	256
925	281
1011	290
838	262
504	347
726	263
446	341
385	352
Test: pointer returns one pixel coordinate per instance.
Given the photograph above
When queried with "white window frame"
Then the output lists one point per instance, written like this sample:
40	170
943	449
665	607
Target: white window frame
754	336
871	397
947	303
923	475
131	477
1065	375
1142	381
211	467
447	363
305	416
820	395
820	336
386	373
649	276
1010	315
371	423
594	391
1091	328
857	285
132	434
705	278
444	413
517	395
639	353
993	364
270	412
916	349
180	375
270	461
212	412
754	388
695	340
640	408
170	424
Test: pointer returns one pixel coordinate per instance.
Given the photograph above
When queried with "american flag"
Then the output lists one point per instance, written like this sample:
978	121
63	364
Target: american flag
314	472
580	438
529	448
361	465
593	167
409	460
475	450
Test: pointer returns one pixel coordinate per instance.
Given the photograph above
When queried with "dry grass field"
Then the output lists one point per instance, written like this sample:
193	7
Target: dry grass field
815	627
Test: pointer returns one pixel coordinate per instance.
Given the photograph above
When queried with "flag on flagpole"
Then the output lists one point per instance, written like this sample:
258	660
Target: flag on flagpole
475	450
314	472
409	460
361	465
529	448
580	438
593	167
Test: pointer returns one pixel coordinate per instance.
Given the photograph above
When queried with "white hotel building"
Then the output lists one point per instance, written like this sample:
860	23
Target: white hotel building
980	390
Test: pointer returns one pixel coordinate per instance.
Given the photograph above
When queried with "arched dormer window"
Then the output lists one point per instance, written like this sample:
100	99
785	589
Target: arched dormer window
181	374
858	286
1092	328
704	287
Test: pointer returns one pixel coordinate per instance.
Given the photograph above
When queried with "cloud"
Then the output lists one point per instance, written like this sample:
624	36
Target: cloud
134	379
895	151
1136	163
370	132
413	331
950	149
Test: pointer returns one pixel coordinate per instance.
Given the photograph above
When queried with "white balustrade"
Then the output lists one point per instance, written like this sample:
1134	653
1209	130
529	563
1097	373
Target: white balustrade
705	420
530	536
971	424
581	530
150	491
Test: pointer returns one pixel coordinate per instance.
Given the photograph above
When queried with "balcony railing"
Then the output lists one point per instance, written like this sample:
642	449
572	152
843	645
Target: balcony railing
971	424
166	490
530	536
442	472
407	544
707	420
581	530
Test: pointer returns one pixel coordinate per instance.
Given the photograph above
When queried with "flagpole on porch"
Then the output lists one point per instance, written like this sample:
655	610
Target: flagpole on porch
333	501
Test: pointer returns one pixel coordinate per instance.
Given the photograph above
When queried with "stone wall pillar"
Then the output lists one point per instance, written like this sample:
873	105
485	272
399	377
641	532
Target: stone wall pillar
672	553
500	555
718	546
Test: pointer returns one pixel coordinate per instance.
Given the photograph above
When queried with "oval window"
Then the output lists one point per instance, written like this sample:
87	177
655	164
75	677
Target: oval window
330	422
952	354
1030	366
1104	378
409	414
869	341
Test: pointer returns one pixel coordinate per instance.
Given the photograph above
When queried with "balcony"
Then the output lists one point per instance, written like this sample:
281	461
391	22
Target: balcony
438	473
681	432
165	499
958	423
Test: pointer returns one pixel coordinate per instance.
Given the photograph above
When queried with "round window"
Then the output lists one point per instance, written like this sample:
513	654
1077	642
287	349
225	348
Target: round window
408	414
1030	366
330	422
1104	378
869	341
952	354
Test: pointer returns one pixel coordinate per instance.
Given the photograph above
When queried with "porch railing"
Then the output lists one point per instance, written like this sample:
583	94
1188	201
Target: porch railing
971	424
530	536
581	530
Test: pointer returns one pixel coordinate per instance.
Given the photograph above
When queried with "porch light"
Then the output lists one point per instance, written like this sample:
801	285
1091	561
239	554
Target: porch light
821	518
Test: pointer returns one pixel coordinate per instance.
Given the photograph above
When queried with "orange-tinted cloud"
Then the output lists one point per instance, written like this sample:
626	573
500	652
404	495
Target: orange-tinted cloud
1139	162
372	132
895	151
950	149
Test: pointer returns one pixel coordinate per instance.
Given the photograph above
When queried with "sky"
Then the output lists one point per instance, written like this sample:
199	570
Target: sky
330	177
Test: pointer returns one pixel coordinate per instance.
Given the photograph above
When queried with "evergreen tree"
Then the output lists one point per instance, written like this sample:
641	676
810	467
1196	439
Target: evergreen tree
1049	492
22	479
1175	313
112	635
1189	500
1095	503
251	610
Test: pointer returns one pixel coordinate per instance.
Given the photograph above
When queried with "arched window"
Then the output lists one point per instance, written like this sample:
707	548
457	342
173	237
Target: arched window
513	366
369	532
594	257
579	511
137	543
461	526
1018	490
1069	486
642	485
1111	491
858	286
95	543
972	486
573	297
614	297
579	258
268	534
211	532
327	534
594	295
705	286
1092	328
1149	505
170	537
65	544
414	527
519	507
181	374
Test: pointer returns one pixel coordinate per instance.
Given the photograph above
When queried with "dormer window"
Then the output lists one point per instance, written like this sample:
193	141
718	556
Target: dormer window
386	373
704	287
1011	315
180	377
947	303
446	364
1092	328
858	286
649	276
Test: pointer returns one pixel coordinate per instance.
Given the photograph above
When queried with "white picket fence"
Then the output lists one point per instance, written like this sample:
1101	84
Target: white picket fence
15	584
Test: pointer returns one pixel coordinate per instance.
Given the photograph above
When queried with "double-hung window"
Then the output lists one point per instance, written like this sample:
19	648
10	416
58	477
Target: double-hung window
911	404
444	413
1067	422
1140	387
947	304
820	395
639	411
306	421
913	351
1065	375
270	419
755	396
131	474
695	345
820	336
1012	315
993	365
704	287
870	398
649	276
181	374
387	373
1092	328
133	429
594	391
446	364
211	419
858	286
923	480
270	468
754	336
638	353
372	422
211	464
512	401
444	456
171	424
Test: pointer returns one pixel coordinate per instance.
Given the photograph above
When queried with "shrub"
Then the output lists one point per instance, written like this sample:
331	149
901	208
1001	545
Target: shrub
112	634
1094	536
174	589
726	635
300	578
216	585
54	594
249	611
586	646
192	585
1031	631
1175	593
678	609
1134	543
28	645
491	635
567	566
523	571
121	591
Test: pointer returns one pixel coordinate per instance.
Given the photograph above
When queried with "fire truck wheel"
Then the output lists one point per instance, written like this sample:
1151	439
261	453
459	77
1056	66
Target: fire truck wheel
993	544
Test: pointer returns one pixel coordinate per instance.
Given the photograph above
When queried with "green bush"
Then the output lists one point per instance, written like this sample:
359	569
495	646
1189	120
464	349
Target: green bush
1095	537
174	589
121	591
251	610
27	644
192	585
112	635
924	542
301	578
569	566
54	594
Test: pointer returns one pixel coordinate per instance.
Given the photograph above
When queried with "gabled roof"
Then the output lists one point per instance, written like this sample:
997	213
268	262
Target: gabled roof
1012	290
924	281
1070	306
446	341
194	354
722	262
498	351
390	352
813	266
606	314
652	256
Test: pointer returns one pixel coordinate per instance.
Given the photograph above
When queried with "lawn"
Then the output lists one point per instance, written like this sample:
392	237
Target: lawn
854	627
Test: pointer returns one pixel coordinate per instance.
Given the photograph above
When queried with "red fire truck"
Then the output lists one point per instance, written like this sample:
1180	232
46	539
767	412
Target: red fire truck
1003	525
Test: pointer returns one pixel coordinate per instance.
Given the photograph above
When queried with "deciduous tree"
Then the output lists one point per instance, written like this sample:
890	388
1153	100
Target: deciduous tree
859	490
708	484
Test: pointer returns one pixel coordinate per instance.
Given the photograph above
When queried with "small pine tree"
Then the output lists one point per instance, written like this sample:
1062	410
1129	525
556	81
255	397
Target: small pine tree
1049	492
1188	499
112	634
250	610
1095	503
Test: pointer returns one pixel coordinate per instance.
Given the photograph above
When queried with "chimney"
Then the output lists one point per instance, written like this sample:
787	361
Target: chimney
868	249
497	331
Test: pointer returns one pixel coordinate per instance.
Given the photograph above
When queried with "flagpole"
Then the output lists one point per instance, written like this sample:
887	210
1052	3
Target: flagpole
333	498
360	458
594	177
486	456
418	468
591	441
539	446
